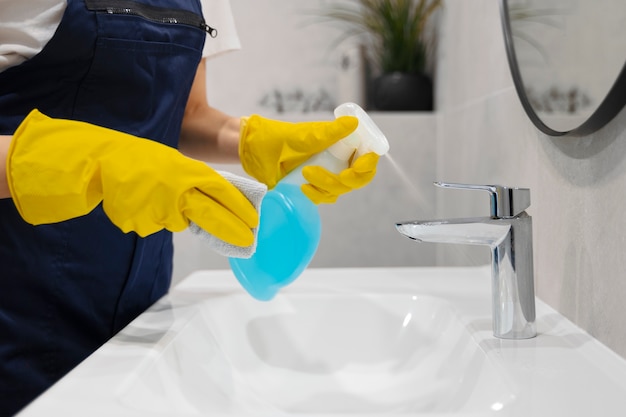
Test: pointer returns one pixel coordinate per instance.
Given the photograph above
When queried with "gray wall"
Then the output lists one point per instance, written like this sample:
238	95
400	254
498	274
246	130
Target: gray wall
479	134
577	185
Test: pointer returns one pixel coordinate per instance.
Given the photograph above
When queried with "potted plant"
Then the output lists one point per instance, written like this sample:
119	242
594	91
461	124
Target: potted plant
399	42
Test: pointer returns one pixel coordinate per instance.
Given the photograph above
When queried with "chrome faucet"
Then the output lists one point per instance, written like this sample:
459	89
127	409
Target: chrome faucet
508	232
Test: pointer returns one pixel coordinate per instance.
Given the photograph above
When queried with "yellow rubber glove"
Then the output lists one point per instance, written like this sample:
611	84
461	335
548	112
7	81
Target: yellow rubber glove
61	169
325	186
270	149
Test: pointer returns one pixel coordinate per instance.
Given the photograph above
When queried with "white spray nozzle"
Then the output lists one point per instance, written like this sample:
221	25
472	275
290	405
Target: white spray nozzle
367	137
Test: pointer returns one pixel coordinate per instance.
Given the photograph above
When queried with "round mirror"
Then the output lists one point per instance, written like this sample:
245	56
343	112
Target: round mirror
567	58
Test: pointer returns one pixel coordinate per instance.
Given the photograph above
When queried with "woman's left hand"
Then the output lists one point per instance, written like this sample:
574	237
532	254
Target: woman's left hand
324	187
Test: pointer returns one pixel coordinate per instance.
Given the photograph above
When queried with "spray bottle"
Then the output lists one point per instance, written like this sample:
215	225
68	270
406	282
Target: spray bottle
290	225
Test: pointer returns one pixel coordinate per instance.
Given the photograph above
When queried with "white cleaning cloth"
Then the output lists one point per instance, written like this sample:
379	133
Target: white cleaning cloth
254	191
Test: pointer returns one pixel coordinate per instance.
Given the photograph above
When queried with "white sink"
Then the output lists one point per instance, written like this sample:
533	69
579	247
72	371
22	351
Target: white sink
405	341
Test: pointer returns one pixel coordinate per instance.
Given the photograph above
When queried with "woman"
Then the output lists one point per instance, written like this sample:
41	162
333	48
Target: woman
87	206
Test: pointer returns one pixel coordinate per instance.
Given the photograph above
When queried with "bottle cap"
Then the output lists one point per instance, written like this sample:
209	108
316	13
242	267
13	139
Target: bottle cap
367	137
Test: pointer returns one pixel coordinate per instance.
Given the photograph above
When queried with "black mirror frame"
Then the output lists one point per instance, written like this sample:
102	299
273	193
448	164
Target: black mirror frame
608	109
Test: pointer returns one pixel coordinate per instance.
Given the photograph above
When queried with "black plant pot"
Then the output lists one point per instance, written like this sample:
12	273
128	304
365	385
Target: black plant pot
398	91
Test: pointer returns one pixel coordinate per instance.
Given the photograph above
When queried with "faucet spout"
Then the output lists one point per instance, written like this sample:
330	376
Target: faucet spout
510	240
471	231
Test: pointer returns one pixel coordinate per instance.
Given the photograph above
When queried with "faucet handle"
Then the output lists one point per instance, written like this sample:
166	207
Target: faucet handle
506	202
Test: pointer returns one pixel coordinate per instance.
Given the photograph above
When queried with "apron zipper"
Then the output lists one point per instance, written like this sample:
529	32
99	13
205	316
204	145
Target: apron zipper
153	13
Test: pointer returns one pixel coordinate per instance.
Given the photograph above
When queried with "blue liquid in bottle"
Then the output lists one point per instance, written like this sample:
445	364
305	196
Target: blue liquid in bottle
288	235
290	226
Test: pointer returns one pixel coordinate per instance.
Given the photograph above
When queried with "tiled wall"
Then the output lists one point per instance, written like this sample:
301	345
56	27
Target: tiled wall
577	184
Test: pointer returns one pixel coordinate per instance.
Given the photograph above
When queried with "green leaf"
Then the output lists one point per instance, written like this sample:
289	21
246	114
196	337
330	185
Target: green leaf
396	28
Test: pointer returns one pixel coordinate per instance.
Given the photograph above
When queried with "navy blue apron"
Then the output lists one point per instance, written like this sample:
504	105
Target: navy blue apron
67	288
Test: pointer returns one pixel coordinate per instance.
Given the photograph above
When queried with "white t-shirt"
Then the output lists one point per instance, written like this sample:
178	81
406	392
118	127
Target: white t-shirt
27	26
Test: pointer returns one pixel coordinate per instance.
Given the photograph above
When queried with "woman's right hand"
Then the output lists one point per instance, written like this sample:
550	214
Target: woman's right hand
61	169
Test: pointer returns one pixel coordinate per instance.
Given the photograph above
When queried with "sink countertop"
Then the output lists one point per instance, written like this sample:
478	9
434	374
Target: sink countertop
184	356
